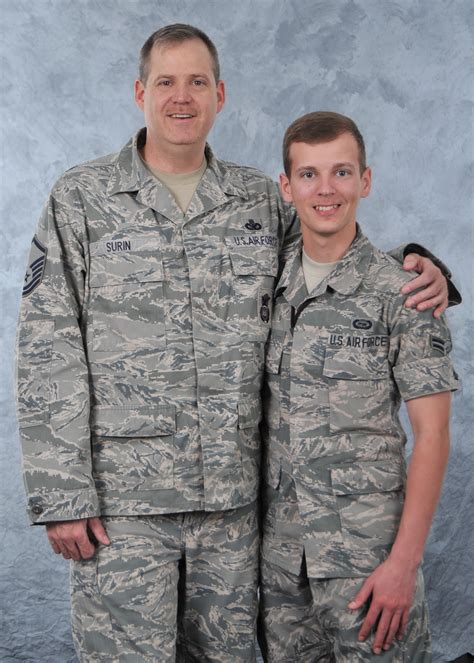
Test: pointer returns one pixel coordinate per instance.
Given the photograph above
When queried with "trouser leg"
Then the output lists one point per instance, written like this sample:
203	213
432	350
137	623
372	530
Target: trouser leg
218	600
124	599
342	626
289	629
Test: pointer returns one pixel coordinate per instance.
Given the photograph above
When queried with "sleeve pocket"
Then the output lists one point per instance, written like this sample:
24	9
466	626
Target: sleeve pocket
35	350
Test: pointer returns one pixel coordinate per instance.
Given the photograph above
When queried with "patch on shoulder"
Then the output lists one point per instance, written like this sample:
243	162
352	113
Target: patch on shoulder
35	271
441	345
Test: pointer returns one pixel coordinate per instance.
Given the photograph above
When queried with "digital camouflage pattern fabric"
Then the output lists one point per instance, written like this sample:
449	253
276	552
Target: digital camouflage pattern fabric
338	363
125	601
307	620
141	347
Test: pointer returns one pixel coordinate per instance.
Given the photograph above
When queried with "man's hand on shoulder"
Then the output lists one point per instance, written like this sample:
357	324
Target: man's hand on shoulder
390	589
431	279
72	538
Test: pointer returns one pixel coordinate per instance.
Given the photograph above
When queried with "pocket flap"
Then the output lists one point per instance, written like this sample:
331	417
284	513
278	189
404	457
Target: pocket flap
134	422
250	412
353	364
254	259
368	477
125	260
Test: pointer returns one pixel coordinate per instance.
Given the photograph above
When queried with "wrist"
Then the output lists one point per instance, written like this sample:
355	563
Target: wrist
409	558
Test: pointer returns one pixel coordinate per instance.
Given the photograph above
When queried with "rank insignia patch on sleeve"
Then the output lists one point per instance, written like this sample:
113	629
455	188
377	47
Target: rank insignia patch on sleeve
440	344
35	271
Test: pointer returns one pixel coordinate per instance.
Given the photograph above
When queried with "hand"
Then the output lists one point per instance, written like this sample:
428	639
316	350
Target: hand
391	586
433	282
70	538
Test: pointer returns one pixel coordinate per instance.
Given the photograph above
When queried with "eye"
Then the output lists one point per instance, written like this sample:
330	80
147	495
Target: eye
342	172
307	174
164	83
199	81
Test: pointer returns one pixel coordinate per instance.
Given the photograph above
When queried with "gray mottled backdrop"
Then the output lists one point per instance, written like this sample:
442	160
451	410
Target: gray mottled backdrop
401	69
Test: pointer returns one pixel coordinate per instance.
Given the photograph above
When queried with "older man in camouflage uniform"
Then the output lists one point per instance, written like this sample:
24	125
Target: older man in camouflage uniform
343	351
145	313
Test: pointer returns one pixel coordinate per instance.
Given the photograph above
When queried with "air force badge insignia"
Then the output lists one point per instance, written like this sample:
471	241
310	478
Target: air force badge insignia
264	308
35	271
253	225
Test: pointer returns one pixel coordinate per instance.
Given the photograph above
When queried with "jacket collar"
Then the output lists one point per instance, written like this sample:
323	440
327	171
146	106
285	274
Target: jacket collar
130	175
345	278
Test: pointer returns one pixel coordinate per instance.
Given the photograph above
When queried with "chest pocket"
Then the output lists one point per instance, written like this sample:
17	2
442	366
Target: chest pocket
254	269
359	389
126	301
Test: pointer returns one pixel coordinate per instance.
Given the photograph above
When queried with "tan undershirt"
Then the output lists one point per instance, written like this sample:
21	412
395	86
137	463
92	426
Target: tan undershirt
181	185
314	272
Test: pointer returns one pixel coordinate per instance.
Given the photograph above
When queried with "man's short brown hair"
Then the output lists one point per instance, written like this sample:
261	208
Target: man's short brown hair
175	33
321	127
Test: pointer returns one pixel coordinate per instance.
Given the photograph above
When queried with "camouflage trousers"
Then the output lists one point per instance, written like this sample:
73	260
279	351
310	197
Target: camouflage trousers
178	587
306	620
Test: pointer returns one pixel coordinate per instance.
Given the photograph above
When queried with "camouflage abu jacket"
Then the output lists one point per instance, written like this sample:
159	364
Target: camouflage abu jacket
338	363
141	341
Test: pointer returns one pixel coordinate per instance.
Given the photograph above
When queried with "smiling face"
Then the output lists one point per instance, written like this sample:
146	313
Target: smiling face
325	185
180	100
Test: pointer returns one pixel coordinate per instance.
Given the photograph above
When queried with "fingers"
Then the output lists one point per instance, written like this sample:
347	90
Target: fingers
69	539
97	529
382	631
411	262
430	297
403	624
431	282
393	629
369	621
362	595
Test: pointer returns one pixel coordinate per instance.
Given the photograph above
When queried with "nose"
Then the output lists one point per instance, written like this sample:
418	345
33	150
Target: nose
325	186
181	93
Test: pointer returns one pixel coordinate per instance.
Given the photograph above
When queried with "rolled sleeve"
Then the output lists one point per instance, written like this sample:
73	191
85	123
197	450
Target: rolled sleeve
429	375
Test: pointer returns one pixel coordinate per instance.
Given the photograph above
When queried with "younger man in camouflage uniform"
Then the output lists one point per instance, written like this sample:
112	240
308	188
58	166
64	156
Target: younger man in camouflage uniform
145	312
343	528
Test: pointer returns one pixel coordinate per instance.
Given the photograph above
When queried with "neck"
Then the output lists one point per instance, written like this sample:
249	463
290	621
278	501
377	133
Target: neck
173	159
328	248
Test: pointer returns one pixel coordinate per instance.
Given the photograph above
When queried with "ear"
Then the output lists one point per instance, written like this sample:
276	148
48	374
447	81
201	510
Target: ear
285	188
220	95
139	90
366	182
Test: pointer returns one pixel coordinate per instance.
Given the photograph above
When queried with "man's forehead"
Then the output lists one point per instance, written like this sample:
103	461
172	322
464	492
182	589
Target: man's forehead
342	149
174	49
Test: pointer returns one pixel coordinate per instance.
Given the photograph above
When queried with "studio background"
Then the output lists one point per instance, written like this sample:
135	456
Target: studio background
402	69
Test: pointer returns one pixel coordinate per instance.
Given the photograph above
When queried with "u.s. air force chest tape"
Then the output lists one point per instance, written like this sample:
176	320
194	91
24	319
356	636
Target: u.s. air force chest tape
35	270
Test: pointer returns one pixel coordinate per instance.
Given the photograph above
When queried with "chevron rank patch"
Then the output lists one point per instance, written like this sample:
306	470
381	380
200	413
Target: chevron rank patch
443	346
35	271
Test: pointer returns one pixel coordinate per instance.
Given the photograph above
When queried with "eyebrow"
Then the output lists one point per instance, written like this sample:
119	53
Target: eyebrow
345	164
201	75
